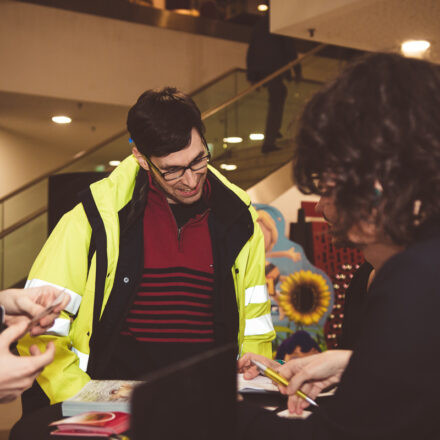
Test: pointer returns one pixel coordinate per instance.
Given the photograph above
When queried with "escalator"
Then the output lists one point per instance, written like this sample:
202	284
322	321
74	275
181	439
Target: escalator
231	110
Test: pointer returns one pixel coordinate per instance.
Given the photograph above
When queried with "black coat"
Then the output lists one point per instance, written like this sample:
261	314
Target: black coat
390	388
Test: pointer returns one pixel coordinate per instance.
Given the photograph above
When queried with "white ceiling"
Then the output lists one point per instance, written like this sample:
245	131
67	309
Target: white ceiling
30	116
372	25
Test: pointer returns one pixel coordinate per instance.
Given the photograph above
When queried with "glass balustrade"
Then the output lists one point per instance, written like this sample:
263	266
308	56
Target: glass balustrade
234	134
20	248
243	163
222	90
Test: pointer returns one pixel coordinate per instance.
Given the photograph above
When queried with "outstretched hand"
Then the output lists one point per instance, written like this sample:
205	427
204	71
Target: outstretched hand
312	374
27	304
17	373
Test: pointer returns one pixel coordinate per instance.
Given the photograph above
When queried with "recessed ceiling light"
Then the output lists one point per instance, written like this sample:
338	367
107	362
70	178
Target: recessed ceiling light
228	167
256	136
233	139
114	163
262	7
61	119
415	48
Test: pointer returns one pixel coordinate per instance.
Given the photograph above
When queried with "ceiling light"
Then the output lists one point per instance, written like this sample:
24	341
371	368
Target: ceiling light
233	139
415	48
228	167
61	119
256	136
114	163
262	7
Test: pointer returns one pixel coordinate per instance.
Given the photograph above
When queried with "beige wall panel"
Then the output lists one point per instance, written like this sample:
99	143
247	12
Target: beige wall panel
58	53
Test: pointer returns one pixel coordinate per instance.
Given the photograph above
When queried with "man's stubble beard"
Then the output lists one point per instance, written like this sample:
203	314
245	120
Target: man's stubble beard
172	197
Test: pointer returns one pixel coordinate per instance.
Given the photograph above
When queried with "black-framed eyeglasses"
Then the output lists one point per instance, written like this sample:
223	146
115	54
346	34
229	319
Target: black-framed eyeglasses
199	163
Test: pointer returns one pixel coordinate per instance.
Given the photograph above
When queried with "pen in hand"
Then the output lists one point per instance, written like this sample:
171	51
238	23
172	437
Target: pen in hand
271	374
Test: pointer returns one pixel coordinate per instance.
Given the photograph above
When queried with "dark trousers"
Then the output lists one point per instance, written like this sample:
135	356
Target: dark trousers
277	97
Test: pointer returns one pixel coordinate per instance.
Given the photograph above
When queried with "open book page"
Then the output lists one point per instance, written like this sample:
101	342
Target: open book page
106	391
257	384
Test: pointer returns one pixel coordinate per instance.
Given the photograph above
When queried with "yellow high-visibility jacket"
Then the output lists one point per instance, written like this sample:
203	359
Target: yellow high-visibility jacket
86	272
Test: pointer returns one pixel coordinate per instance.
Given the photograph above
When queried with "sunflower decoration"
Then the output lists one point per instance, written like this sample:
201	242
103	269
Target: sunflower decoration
305	297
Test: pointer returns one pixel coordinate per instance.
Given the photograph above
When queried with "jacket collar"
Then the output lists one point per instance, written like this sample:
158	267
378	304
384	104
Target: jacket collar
227	201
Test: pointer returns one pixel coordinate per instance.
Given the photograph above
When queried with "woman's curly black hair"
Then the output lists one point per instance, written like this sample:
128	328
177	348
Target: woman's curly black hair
375	133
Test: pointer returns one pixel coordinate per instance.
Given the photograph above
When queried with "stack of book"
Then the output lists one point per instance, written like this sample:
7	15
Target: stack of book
101	395
93	424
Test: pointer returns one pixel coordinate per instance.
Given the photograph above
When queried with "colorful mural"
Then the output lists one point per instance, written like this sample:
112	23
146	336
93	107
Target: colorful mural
301	294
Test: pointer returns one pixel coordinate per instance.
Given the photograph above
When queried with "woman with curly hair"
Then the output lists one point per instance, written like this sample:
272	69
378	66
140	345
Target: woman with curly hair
369	144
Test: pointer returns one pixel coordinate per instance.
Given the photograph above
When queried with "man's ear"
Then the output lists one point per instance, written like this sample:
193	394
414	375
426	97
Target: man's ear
140	158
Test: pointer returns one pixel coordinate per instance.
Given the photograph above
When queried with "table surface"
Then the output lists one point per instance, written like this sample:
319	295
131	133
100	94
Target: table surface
35	426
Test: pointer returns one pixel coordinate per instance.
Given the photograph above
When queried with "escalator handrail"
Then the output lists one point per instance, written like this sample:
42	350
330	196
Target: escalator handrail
75	158
23	221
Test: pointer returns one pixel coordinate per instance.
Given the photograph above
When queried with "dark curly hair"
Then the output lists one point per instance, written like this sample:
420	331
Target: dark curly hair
375	133
161	121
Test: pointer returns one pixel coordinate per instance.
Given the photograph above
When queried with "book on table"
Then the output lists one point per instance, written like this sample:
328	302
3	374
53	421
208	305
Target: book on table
93	424
101	395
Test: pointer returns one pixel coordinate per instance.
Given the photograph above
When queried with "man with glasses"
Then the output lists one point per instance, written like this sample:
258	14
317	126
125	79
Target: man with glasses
163	259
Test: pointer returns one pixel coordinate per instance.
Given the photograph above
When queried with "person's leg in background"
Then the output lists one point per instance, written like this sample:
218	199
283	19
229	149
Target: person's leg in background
277	97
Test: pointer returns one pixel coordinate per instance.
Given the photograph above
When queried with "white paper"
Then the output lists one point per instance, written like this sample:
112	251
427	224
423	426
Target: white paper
287	415
259	383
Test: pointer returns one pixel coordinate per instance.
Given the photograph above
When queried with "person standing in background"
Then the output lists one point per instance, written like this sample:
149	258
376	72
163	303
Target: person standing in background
267	53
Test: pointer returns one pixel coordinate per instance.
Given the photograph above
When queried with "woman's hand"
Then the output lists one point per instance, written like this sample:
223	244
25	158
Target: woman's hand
312	374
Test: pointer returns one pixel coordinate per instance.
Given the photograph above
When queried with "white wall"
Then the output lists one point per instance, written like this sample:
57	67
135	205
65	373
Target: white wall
279	190
59	53
289	203
289	15
24	158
